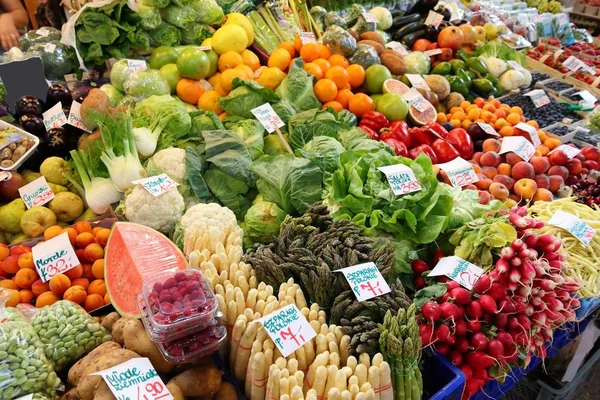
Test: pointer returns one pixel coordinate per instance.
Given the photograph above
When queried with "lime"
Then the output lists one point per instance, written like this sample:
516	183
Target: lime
161	56
193	63
170	73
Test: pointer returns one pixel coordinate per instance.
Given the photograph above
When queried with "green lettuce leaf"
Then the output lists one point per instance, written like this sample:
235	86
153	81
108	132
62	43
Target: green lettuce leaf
303	127
297	87
324	151
230	192
226	150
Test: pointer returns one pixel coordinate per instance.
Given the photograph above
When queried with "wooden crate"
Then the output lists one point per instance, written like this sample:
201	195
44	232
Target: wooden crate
538	66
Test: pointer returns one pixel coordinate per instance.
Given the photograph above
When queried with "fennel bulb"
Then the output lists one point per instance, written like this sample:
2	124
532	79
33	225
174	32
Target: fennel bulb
125	168
148	129
145	141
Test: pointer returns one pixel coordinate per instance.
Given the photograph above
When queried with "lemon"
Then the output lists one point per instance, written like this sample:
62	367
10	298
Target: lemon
206	42
271	77
229	38
243	21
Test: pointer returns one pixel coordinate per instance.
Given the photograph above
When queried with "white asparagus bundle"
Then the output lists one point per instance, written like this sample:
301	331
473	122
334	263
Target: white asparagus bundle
284	380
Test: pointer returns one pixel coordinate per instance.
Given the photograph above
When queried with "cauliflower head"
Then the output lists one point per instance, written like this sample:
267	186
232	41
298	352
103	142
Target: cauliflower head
159	213
171	161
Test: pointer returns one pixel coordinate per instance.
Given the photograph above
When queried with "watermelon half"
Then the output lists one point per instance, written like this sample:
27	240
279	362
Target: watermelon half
133	254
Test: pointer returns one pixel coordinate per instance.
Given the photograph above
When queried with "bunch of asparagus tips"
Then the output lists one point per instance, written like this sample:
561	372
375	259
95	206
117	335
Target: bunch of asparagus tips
400	344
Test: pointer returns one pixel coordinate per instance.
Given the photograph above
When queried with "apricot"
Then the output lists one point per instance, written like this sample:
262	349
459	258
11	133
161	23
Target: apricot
52	231
499	191
12	297
84	282
525	188
4	251
102	236
26	296
19	249
10	265
38	287
76	294
523	169
75	272
543	195
8	284
26	261
106	299
92	302
93	252
72	235
95	230
87	272
25	278
504	169
46	299
98	269
84	239
97	287
82	226
59	284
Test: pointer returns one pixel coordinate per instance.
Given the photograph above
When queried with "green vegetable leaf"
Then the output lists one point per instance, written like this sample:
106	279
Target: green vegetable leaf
193	165
429	293
297	87
226	150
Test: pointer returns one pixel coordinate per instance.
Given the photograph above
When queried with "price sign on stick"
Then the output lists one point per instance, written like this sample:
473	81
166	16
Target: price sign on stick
365	280
75	117
136	65
36	193
135	379
55	117
460	172
574	225
157	185
458	270
518	145
417	81
401	178
416	99
271	122
488	129
55	256
535	139
396	46
434	19
288	329
538	97
307	37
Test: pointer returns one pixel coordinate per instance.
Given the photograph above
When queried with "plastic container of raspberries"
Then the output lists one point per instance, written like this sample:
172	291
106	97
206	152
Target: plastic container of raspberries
176	304
193	346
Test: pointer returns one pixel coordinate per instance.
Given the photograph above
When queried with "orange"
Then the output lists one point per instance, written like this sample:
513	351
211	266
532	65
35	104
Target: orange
324	51
59	284
214	80
325	90
356	75
246	70
441	117
98	269
92	302
270	77
310	52
217	88
323	63
513	118
209	101
97	287
76	294
297	44
189	90
52	231
360	103
343	97
26	261
280	58
338	59
75	272
229	59
250	59
289	47
26	296
338	75
333	104
46	299
314	70
226	79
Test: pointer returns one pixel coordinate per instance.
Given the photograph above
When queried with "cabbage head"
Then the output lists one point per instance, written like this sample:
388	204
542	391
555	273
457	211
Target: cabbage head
114	95
262	221
146	83
119	74
208	12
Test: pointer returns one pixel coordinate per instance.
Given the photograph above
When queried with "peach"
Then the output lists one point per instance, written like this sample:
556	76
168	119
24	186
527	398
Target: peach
489	172
558	158
505	180
579	156
525	188
10	265
512	158
484	197
38	287
490	159
591	164
591	153
504	169
543	195
510	203
477	156
483	183
574	166
19	249
4	251
556	182
470	187
522	170
542	181
491	145
540	164
559	170
499	191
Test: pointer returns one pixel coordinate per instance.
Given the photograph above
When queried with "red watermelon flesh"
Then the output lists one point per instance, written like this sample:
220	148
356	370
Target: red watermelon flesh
133	254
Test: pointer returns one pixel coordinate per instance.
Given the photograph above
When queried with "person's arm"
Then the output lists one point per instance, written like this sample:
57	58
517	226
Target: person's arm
12	18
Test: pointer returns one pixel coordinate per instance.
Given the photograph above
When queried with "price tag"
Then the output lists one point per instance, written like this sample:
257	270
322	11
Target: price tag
49	47
307	37
268	117
515	65
535	139
518	145
587	97
416	99
135	379
488	129
36	193
157	185
569	151
369	17
204	48
365	280
574	225
434	19
398	47
136	65
401	178
5	175
54	256
573	63
75	117
6	139
55	117
27	397
206	85
43	32
539	98
459	270
433	52
288	329
460	172
417	81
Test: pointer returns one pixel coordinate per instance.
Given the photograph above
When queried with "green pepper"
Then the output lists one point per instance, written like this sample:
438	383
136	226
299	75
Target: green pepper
457	65
458	85
443	68
477	65
471	74
462	74
491	78
498	91
482	86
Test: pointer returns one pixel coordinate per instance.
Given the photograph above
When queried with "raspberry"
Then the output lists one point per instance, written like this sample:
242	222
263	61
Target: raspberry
157	287
166	307
161	318
180	277
166	297
169	283
176	296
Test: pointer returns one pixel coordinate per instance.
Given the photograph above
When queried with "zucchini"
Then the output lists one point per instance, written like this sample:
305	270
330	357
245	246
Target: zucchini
397	13
399	22
407	29
411	38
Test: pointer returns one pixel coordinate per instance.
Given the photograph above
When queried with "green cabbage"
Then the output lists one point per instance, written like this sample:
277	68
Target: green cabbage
251	132
196	34
150	17
297	87
231	192
119	74
165	35
324	151
181	17
227	151
303	127
146	83
208	12
262	221
114	95
179	123
155	3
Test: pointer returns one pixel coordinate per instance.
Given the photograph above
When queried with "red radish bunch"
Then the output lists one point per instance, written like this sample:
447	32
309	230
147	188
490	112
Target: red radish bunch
419	267
511	311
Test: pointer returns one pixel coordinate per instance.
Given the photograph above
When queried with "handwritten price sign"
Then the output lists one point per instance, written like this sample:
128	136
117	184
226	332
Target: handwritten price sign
460	172
539	98
135	379
55	256
459	270
488	129
416	99
417	81
288	329
401	178
75	117
518	145
569	151
307	37
36	193
574	225
535	139
136	65
55	117
157	185
268	117
365	280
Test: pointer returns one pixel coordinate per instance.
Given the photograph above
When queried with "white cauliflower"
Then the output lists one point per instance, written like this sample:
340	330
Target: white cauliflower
159	213
171	161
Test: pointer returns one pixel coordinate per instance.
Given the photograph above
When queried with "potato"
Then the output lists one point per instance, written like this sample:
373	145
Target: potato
226	392
109	321
88	384
70	395
198	381
175	391
117	331
79	370
136	339
103	392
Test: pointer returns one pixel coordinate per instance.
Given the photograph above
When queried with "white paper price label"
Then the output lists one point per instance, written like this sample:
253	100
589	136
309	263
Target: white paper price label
488	129
43	32
136	65
574	225
569	151
365	280
518	145
75	117
288	329
459	270
417	81
204	48
460	172
515	65
434	19
587	97
539	98
397	46
54	256
401	178
157	185
535	139
135	379
433	52
27	397
573	64
5	175
36	193
206	85
369	17
307	37
268	117
55	117
415	99
49	47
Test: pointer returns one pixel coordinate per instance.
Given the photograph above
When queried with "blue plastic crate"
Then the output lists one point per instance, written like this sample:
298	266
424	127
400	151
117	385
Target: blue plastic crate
587	307
442	380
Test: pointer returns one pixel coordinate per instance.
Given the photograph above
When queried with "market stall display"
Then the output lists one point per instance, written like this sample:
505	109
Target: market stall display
293	202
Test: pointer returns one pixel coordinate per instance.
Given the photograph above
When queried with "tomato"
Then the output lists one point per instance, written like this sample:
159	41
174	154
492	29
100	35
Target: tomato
162	56
421	45
451	37
462	142
444	151
193	63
